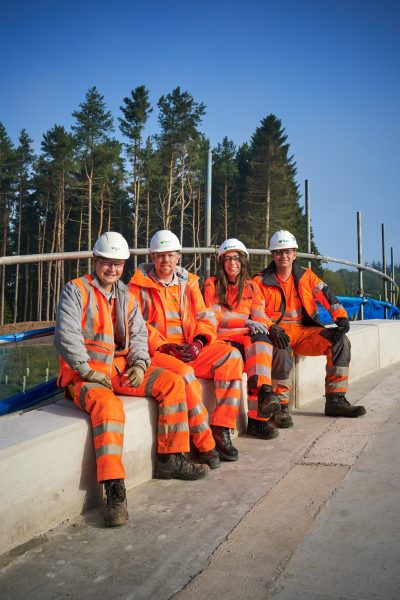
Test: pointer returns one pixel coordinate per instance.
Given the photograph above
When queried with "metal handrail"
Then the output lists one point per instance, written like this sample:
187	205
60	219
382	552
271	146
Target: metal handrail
36	258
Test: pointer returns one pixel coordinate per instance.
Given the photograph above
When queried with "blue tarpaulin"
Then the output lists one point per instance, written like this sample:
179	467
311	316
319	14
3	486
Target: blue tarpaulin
373	309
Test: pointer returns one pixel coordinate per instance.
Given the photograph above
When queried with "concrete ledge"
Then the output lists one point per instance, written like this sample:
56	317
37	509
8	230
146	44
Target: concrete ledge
47	464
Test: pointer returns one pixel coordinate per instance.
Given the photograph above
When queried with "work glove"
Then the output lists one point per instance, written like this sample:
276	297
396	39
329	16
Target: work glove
343	326
135	375
256	327
279	338
97	377
175	350
192	351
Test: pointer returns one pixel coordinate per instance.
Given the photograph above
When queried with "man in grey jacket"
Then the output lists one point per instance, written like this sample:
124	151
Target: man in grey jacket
103	345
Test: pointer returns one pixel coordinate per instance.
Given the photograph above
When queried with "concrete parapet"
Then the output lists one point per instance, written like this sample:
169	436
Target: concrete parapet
47	464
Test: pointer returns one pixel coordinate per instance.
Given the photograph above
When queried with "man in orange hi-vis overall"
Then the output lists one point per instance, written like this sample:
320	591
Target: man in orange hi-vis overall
182	336
290	294
102	340
239	309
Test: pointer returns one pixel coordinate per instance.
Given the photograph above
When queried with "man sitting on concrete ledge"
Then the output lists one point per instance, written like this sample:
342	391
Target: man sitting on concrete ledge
290	294
102	340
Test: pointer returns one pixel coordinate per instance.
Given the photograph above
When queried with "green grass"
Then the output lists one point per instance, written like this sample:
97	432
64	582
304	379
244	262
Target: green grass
29	360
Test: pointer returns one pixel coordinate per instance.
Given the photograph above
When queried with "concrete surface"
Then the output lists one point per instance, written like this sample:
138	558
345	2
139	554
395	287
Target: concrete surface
314	513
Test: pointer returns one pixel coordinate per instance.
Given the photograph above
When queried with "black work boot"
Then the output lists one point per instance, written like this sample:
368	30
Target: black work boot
268	403
223	443
115	511
177	466
283	419
261	429
210	458
338	406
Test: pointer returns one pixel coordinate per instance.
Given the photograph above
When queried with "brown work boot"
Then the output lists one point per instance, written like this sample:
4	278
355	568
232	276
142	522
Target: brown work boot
283	419
223	443
338	406
177	466
115	511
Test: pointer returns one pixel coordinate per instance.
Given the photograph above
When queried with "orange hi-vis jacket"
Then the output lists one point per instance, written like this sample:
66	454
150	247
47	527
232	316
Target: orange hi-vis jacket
232	323
194	316
89	337
310	289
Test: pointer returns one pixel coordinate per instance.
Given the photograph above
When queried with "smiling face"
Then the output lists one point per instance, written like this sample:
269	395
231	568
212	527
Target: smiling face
284	260
232	264
164	264
108	271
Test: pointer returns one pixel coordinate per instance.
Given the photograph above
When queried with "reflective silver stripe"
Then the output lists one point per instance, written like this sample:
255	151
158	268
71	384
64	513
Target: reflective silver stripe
97	338
199	428
213	320
188	377
108	449
222	384
283	382
172	408
318	287
294	313
172	428
258	312
196	410
252	404
259	348
216	307
335	307
228	401
259	370
232	331
172	314
343	371
151	381
100	356
108	426
146	299
205	314
174	329
336	385
230	354
86	388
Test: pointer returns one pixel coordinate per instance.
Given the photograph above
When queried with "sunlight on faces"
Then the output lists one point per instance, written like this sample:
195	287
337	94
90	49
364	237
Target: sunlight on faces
108	271
165	263
284	258
232	265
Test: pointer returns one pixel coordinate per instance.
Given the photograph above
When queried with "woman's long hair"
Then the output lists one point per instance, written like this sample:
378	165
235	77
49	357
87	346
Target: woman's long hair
221	280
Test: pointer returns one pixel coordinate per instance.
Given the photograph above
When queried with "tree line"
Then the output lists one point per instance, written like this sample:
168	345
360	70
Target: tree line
85	181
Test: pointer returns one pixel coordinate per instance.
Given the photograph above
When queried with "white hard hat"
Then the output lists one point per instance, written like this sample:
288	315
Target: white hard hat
164	241
282	239
230	245
112	245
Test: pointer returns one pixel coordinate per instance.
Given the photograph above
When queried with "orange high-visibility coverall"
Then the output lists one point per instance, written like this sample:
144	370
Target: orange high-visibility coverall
231	326
95	332
177	314
293	306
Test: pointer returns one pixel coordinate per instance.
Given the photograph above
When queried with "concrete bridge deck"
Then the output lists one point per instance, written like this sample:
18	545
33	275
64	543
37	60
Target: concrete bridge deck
312	514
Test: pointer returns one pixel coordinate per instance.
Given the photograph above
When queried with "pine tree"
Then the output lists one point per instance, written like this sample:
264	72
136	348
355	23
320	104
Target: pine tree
225	175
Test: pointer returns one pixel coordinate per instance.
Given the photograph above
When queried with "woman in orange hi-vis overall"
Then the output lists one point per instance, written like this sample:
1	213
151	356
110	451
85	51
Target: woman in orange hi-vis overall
183	337
102	340
241	320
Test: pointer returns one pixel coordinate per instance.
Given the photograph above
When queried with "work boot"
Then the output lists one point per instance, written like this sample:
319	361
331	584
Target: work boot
210	458
261	429
268	403
177	466
115	511
338	406
223	443
283	419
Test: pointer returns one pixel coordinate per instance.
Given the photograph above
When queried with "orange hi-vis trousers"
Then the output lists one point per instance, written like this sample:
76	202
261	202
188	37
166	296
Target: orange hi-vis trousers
218	361
315	341
258	366
108	417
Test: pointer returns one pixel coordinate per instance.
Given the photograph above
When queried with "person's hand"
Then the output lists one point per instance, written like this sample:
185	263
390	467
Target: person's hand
256	327
135	375
279	338
192	351
175	350
98	377
343	326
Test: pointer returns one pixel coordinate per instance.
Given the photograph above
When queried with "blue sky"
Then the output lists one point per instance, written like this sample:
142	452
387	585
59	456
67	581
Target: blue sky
329	69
